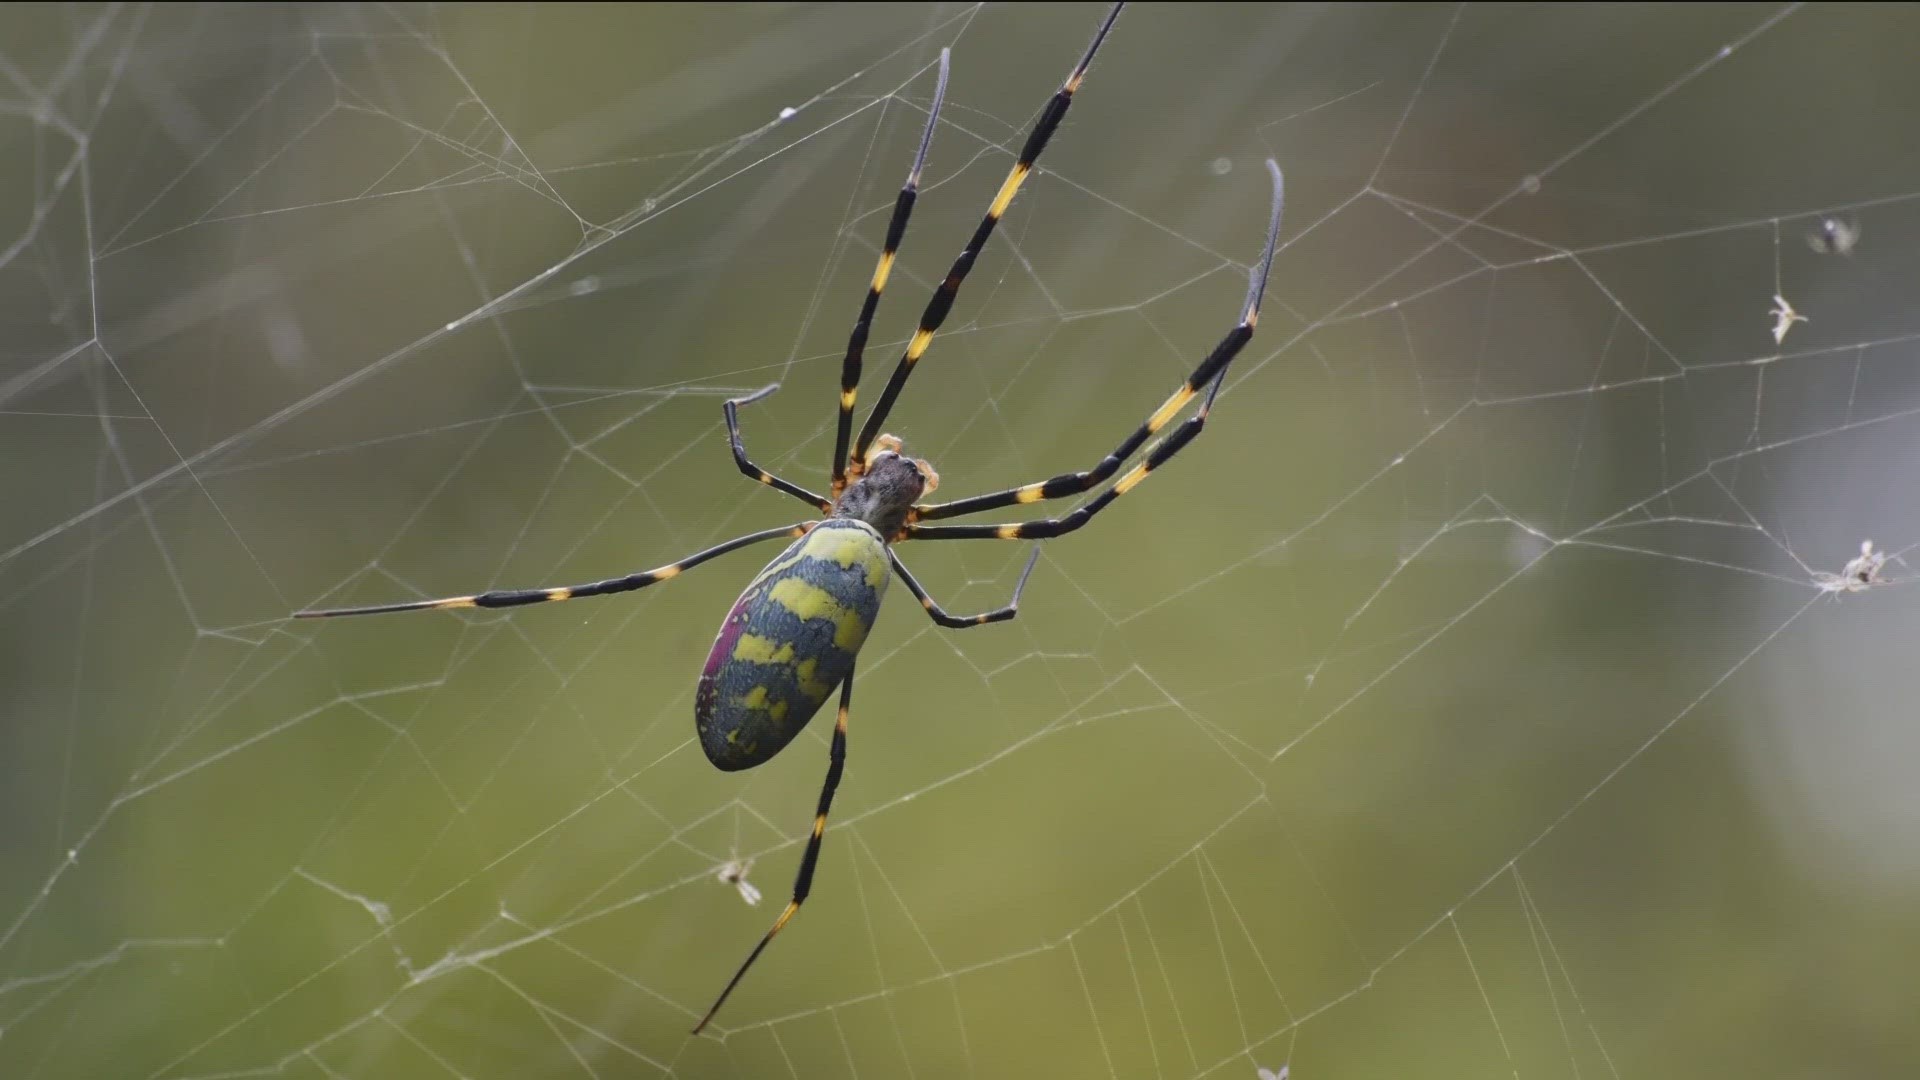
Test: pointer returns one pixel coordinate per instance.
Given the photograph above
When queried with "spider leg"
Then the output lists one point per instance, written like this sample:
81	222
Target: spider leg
517	597
752	471
1060	526
1210	375
802	882
1210	370
896	229
942	300
961	622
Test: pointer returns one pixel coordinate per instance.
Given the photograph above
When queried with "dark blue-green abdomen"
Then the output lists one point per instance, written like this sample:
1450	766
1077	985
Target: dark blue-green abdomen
788	642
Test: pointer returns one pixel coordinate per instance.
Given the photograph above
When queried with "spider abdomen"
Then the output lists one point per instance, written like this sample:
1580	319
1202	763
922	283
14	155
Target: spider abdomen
788	641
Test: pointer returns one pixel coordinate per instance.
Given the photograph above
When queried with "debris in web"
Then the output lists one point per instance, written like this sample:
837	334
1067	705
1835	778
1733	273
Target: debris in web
1861	573
734	872
1783	318
1834	236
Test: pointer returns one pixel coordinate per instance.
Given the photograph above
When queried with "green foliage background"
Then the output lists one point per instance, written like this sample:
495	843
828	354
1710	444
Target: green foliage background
1461	705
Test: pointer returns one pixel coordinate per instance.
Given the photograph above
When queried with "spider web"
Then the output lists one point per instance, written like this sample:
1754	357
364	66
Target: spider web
1500	686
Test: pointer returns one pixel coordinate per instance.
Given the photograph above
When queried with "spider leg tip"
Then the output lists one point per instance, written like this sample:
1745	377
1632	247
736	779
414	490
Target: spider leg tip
1025	573
756	395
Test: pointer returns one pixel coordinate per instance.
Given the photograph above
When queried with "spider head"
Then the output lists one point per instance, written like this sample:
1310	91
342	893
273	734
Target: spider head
887	487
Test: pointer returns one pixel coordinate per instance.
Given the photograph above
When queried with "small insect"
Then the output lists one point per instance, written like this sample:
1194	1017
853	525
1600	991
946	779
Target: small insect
1834	236
791	638
1783	318
1269	1074
734	872
1861	573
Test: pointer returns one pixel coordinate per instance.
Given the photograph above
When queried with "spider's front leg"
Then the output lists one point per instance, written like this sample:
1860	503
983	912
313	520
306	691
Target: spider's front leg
1047	528
882	270
1210	373
941	302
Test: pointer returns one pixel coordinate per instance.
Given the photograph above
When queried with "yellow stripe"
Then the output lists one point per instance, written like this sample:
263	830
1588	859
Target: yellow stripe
919	344
1028	494
849	547
882	270
666	572
1134	475
1008	189
808	601
846	399
803	676
784	916
1169	409
457	602
1007	532
762	650
819	826
559	594
781	563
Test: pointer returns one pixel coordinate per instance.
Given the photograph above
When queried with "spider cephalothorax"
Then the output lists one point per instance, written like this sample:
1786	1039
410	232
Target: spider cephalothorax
887	488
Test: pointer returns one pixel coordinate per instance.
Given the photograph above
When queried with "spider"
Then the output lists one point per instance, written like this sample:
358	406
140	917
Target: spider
792	637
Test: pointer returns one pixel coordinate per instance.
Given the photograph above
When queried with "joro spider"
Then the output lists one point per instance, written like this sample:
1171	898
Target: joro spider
792	636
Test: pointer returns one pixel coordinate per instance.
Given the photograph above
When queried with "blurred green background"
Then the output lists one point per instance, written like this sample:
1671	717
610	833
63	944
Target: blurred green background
1464	703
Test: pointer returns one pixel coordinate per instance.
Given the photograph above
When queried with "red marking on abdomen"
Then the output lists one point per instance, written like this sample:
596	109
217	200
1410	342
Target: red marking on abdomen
723	643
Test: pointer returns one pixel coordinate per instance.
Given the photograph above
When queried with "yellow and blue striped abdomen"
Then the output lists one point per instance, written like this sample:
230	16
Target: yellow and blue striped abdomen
789	641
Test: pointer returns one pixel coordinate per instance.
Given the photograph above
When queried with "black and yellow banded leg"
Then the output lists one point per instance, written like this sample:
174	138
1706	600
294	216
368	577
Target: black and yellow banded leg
752	471
1211	370
803	882
942	300
959	622
857	341
1060	526
519	597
